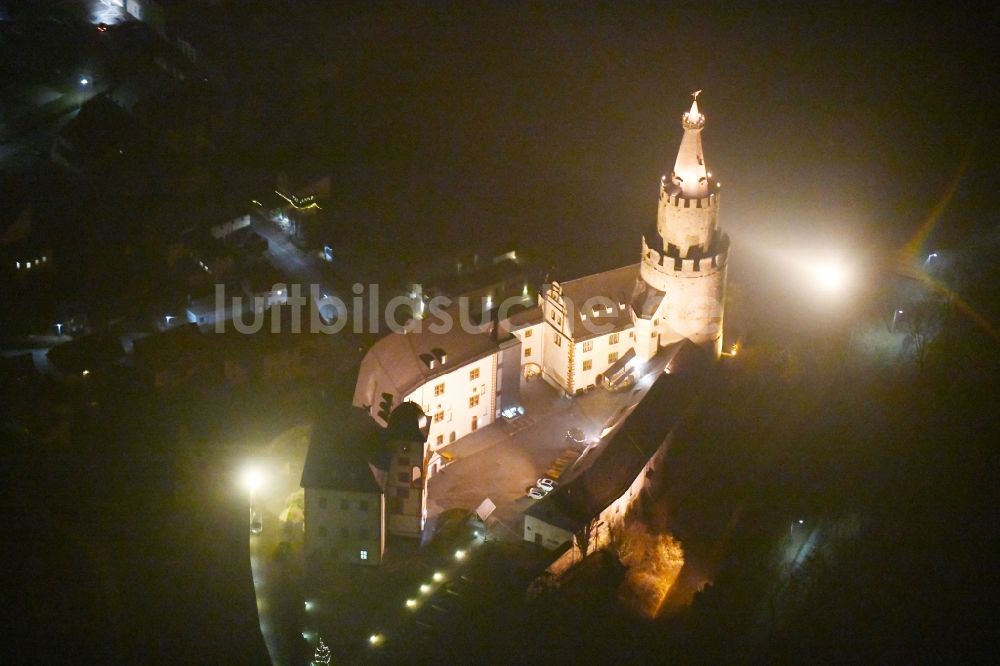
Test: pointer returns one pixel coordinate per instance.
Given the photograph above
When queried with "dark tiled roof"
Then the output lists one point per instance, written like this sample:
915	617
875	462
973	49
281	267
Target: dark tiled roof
524	318
633	443
341	451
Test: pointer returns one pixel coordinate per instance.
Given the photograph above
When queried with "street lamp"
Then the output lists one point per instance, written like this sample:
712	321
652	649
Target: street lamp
84	81
895	315
59	328
252	481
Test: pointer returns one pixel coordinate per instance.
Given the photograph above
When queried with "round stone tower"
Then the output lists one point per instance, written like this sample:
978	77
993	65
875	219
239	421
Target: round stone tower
682	277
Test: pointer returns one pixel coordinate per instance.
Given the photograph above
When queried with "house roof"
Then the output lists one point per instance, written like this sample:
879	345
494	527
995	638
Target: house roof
629	447
590	317
400	362
524	318
341	449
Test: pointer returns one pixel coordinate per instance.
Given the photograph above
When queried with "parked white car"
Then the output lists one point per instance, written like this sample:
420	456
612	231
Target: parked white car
547	484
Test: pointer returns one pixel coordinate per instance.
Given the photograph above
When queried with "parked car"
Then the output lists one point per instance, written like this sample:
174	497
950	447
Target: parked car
547	484
535	493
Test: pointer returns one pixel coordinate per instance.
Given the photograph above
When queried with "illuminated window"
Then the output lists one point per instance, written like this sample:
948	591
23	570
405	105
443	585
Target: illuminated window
473	401
474	374
588	346
587	364
613	340
439	416
528	333
363	554
527	351
612	357
440	440
558	340
439	389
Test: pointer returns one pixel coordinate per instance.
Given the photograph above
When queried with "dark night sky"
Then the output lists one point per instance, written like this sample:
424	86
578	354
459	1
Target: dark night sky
462	124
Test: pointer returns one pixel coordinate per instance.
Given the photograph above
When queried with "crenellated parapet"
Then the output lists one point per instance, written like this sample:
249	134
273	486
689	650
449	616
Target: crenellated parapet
656	265
677	200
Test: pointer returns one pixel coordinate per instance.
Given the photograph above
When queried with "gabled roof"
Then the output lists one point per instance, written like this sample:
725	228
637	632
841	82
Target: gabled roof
615	286
341	450
400	362
630	446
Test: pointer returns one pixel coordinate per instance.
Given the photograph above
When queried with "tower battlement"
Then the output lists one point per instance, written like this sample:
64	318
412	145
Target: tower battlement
677	200
667	263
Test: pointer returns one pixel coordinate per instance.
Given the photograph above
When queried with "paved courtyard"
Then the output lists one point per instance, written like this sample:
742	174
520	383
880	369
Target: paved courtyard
501	460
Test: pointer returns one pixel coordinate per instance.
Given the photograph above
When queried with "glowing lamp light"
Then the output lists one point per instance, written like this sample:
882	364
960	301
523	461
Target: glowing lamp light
84	81
460	555
831	276
425	588
376	639
411	603
438	576
252	479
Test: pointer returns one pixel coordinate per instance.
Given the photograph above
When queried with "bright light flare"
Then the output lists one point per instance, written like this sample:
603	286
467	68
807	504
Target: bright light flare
831	276
252	479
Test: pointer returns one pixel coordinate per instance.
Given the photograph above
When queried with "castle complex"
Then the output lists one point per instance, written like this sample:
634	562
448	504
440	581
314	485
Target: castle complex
598	330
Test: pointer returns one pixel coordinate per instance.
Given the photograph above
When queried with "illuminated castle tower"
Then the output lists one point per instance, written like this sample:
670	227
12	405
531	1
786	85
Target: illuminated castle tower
682	277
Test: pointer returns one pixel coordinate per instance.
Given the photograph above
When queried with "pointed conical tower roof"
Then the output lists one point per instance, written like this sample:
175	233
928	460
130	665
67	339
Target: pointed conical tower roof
690	174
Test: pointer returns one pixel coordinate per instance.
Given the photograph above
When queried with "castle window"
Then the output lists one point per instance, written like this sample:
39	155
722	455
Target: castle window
587	364
558	340
527	351
528	332
439	389
439	416
474	374
612	357
451	437
363	554
613	340
440	440
473	401
588	346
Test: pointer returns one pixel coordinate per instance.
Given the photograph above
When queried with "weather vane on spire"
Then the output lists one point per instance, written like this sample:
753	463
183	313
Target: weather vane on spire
693	119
